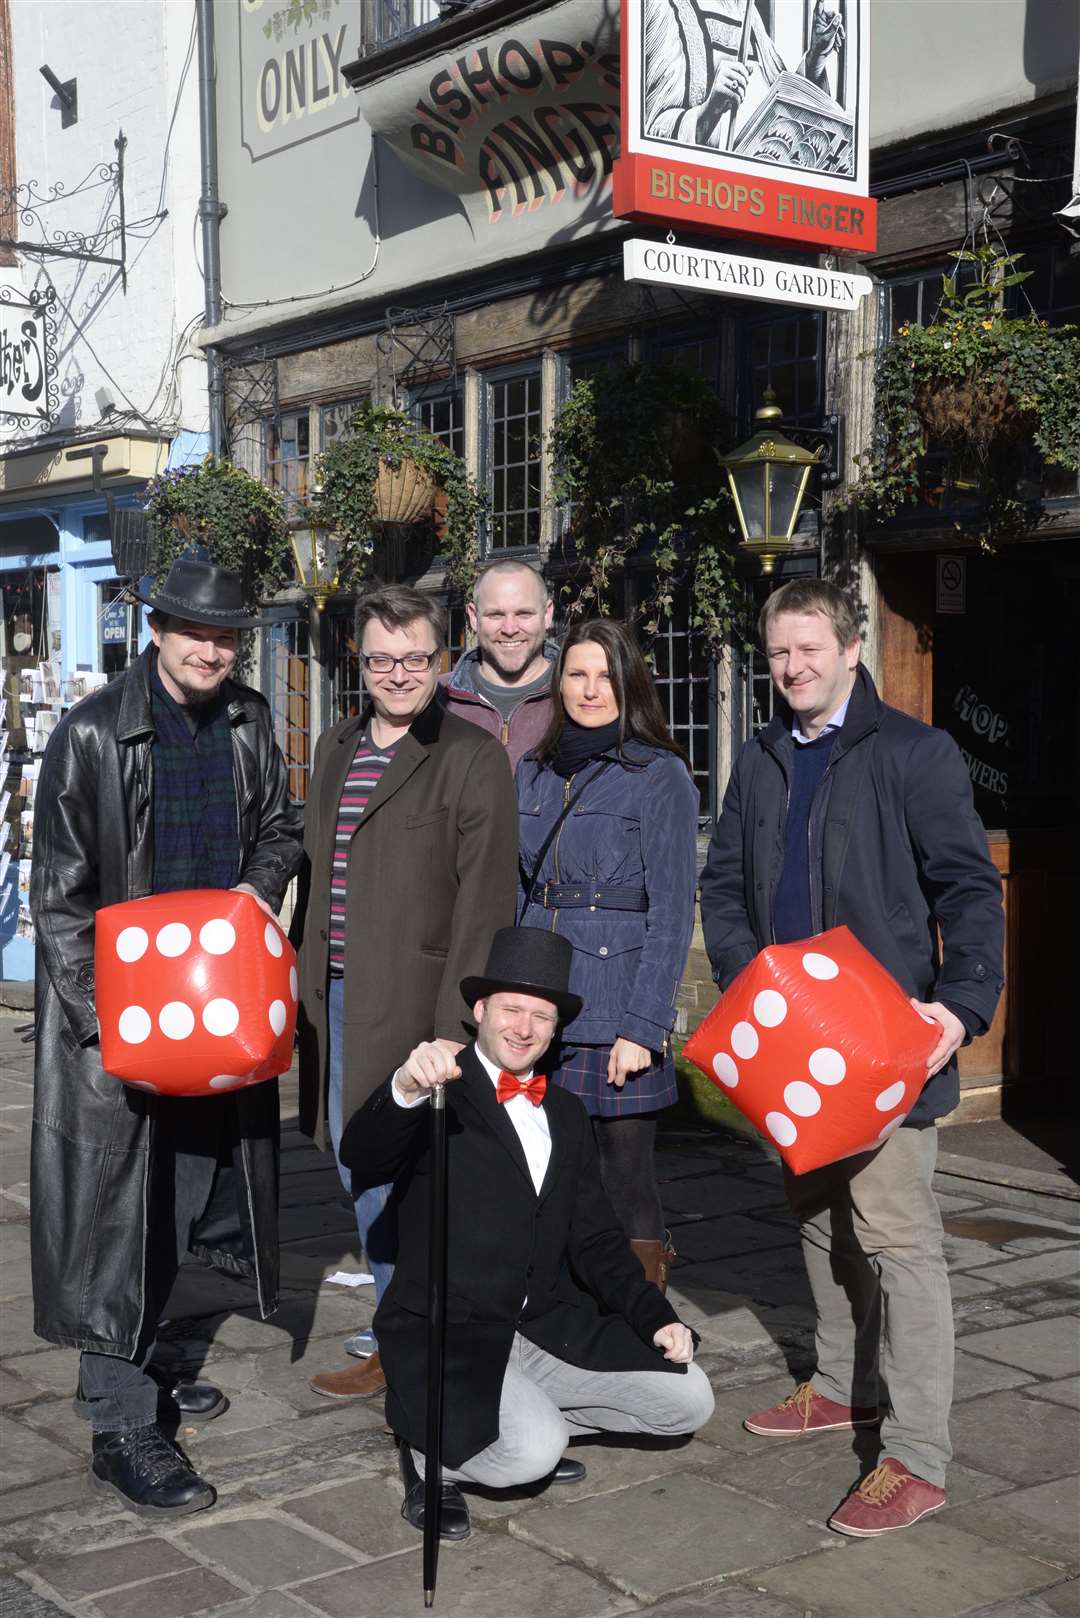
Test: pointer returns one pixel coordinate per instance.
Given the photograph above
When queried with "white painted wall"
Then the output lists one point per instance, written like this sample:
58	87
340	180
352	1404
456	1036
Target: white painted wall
937	64
129	59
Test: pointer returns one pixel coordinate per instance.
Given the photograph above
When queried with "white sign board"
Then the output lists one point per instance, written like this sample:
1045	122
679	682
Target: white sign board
27	356
765	279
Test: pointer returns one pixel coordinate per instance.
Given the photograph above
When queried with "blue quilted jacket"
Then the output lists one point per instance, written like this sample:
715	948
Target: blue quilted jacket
634	829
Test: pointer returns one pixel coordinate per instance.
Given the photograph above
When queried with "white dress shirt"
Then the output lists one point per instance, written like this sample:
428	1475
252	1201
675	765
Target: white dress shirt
530	1123
833	724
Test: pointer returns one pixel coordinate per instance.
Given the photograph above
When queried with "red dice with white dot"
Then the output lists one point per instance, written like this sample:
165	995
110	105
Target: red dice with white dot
196	992
818	1045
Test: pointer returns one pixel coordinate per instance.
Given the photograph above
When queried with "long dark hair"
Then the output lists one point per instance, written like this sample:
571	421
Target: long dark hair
640	713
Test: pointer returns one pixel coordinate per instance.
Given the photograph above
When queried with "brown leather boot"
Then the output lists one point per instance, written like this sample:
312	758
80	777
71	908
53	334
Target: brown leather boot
361	1380
655	1259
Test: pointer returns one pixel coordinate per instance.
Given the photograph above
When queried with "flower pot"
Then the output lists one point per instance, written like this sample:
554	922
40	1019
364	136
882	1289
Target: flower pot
403	492
977	411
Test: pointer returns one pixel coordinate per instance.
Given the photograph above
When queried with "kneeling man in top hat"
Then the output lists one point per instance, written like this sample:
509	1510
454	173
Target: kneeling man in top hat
551	1327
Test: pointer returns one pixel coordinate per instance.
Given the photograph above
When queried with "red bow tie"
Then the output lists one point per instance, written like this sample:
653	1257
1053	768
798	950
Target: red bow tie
508	1087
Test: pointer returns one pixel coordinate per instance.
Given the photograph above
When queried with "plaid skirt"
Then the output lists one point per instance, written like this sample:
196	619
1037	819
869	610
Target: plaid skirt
583	1069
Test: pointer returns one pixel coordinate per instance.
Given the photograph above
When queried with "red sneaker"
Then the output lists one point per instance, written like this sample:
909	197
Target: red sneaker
805	1411
888	1497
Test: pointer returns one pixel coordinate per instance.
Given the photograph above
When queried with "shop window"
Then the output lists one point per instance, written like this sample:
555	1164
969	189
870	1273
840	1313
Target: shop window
442	414
26	645
514	451
118	626
346	677
685	678
579	366
785	355
288	443
286	664
696	353
336	420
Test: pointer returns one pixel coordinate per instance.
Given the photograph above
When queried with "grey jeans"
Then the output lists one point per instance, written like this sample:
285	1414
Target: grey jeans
545	1402
118	1395
872	1241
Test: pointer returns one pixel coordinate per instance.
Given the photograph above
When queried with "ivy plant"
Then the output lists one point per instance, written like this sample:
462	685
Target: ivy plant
346	478
635	465
984	383
221	510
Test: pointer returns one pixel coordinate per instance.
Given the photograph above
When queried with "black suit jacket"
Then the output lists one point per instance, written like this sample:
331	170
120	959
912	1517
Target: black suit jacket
588	1301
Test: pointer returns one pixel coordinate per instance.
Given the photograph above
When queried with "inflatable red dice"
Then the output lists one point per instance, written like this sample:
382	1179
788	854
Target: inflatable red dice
819	1047
196	992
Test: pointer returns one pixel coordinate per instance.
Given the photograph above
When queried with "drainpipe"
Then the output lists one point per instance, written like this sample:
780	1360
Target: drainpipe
211	213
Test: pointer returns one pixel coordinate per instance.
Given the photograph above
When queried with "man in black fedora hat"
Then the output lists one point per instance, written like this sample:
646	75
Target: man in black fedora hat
551	1327
167	778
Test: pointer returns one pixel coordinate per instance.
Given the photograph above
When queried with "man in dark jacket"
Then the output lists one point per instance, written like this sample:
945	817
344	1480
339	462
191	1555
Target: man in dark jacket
551	1327
504	684
411	839
846	812
168	778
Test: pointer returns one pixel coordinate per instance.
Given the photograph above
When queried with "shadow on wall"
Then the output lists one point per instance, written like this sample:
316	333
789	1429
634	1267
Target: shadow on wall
1051	43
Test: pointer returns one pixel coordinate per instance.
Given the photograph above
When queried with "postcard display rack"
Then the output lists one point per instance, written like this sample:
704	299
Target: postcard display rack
32	702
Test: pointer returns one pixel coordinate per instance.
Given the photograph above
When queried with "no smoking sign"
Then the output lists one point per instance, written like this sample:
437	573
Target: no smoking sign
952	584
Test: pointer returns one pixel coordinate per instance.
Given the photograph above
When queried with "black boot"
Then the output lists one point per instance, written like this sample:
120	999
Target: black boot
149	1474
200	1400
453	1512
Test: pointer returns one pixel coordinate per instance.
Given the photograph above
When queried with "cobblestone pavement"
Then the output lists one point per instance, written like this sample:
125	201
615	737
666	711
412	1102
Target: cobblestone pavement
723	1526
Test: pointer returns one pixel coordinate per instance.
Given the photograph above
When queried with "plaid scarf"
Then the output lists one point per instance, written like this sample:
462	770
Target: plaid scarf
196	838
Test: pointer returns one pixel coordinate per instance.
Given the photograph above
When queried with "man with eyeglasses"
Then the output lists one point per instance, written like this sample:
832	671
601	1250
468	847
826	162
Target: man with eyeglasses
411	838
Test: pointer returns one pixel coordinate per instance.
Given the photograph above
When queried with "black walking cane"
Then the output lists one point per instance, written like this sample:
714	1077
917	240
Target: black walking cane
436	1344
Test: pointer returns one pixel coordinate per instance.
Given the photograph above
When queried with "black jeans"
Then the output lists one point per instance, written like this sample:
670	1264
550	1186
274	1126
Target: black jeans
117	1395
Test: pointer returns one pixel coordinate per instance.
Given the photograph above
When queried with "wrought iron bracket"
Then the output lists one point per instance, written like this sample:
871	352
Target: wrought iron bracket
419	345
830	435
28	203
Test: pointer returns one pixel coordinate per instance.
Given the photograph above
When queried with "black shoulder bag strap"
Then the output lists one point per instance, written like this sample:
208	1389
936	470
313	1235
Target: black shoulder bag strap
529	883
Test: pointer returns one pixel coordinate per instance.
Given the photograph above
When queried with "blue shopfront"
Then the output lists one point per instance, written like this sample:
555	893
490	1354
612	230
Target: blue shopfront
64	629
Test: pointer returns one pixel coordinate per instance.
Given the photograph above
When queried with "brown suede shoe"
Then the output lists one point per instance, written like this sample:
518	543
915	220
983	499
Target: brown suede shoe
361	1380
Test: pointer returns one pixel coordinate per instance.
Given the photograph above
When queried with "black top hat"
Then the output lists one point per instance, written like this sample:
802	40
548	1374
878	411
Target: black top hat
531	960
203	594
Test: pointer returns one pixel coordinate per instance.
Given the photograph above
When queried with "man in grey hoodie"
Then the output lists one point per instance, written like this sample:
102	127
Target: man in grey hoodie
504	684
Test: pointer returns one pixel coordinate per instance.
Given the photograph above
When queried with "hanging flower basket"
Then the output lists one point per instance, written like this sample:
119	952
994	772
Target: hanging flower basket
385	473
403	491
977	412
982	380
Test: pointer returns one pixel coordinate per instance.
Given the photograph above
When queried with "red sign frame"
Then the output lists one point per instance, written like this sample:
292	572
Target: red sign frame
723	194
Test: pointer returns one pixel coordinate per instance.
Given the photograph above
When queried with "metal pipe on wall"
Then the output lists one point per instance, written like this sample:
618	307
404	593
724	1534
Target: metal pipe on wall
211	213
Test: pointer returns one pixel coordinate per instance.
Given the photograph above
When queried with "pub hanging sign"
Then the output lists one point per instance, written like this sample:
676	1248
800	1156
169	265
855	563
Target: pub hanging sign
27	357
748	118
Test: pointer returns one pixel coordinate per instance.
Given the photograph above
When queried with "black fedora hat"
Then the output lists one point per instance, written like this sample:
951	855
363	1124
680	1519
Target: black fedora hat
531	960
202	593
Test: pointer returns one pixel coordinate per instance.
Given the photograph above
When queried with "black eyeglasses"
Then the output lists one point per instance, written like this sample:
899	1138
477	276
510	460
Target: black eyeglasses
412	662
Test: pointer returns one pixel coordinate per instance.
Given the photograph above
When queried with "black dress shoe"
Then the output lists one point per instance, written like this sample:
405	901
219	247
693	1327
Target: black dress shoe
453	1512
199	1399
150	1474
569	1471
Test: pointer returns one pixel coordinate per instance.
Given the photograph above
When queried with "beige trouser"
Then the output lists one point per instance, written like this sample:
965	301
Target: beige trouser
872	1241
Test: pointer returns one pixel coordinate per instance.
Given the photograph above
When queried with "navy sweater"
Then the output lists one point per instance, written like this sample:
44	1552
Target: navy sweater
792	918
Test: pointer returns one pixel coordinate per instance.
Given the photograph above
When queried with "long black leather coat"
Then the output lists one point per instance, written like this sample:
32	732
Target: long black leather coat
92	1135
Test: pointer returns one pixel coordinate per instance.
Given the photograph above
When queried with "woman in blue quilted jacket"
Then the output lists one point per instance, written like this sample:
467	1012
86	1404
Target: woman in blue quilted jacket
609	860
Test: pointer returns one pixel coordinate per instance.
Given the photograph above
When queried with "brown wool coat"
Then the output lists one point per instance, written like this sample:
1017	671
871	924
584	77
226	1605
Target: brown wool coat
432	875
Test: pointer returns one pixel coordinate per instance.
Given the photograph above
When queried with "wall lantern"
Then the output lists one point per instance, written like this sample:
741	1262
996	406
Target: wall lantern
768	476
318	563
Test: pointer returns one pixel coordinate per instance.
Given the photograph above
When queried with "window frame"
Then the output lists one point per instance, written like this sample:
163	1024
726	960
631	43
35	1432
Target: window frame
503	376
